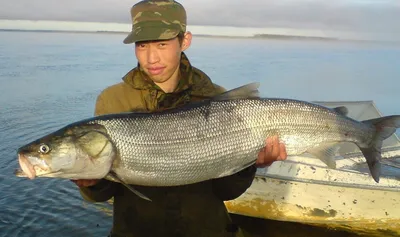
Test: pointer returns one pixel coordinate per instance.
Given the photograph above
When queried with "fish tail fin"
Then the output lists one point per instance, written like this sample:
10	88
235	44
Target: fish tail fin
385	127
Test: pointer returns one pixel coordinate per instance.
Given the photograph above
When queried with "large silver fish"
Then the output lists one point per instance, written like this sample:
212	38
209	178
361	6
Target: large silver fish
201	141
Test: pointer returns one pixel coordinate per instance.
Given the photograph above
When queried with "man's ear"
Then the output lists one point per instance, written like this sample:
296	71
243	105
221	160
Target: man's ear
187	40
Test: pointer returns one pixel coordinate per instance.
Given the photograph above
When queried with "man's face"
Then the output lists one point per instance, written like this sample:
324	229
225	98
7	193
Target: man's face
160	59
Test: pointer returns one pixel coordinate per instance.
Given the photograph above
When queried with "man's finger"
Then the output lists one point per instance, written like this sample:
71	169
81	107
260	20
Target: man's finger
83	182
275	148
265	165
268	164
282	150
268	145
78	182
261	156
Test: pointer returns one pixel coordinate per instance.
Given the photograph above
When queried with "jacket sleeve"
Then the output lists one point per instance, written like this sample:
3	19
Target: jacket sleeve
104	189
231	187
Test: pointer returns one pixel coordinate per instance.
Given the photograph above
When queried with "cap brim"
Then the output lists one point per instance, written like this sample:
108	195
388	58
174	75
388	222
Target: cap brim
151	34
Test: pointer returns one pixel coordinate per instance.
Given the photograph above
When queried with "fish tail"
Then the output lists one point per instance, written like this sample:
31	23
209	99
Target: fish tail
385	127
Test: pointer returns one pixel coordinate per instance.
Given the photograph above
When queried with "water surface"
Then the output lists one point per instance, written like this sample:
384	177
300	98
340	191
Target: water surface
48	80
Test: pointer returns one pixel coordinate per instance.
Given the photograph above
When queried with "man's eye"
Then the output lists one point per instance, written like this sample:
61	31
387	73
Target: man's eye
141	46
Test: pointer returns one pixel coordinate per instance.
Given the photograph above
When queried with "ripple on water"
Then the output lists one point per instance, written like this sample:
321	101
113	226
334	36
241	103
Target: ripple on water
50	205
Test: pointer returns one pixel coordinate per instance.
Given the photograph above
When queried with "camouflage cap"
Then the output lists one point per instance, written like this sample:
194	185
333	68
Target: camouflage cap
156	20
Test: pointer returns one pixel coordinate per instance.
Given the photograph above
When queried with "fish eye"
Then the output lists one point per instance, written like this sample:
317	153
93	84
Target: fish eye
43	148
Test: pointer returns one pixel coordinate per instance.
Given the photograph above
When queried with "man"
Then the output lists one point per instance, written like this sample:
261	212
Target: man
164	78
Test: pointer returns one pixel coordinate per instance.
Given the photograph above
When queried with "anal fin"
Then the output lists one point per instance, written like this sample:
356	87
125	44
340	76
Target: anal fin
114	176
326	153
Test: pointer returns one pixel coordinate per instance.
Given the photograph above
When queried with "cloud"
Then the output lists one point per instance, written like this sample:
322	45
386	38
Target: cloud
71	10
345	15
335	15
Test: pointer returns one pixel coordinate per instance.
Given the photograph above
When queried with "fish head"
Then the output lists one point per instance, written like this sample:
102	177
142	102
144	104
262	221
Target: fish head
74	152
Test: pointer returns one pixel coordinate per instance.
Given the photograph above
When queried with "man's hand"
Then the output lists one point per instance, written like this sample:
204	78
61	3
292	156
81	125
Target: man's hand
272	151
83	183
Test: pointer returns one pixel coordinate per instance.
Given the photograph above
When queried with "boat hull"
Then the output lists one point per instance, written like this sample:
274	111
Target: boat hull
312	194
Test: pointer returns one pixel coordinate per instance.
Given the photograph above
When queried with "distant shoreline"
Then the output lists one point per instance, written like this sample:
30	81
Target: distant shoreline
256	36
274	36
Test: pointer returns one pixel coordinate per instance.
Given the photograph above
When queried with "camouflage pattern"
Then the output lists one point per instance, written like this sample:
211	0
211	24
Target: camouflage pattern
156	20
183	211
194	85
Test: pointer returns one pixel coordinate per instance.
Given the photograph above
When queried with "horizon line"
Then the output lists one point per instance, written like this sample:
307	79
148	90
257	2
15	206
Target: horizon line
211	30
126	27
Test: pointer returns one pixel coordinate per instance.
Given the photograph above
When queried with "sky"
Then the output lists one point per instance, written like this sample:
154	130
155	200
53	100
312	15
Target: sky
367	17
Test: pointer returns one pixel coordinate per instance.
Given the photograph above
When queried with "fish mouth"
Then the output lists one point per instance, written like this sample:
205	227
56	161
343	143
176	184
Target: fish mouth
27	169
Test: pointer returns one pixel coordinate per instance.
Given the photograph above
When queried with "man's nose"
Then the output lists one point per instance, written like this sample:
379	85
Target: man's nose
152	55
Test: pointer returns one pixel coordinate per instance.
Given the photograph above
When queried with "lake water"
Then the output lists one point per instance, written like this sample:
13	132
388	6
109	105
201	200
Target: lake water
48	80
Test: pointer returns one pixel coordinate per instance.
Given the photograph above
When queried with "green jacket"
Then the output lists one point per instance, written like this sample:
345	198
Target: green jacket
190	210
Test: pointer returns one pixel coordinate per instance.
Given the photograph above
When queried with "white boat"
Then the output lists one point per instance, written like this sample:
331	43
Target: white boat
305	190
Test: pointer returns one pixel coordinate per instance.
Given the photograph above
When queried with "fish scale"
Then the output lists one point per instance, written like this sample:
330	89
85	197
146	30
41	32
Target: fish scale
185	149
218	139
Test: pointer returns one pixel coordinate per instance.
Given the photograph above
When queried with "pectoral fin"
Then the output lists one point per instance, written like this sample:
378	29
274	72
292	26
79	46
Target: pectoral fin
326	153
114	176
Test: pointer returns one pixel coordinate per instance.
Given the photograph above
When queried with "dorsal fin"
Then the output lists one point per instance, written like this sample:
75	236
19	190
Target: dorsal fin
341	110
244	92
